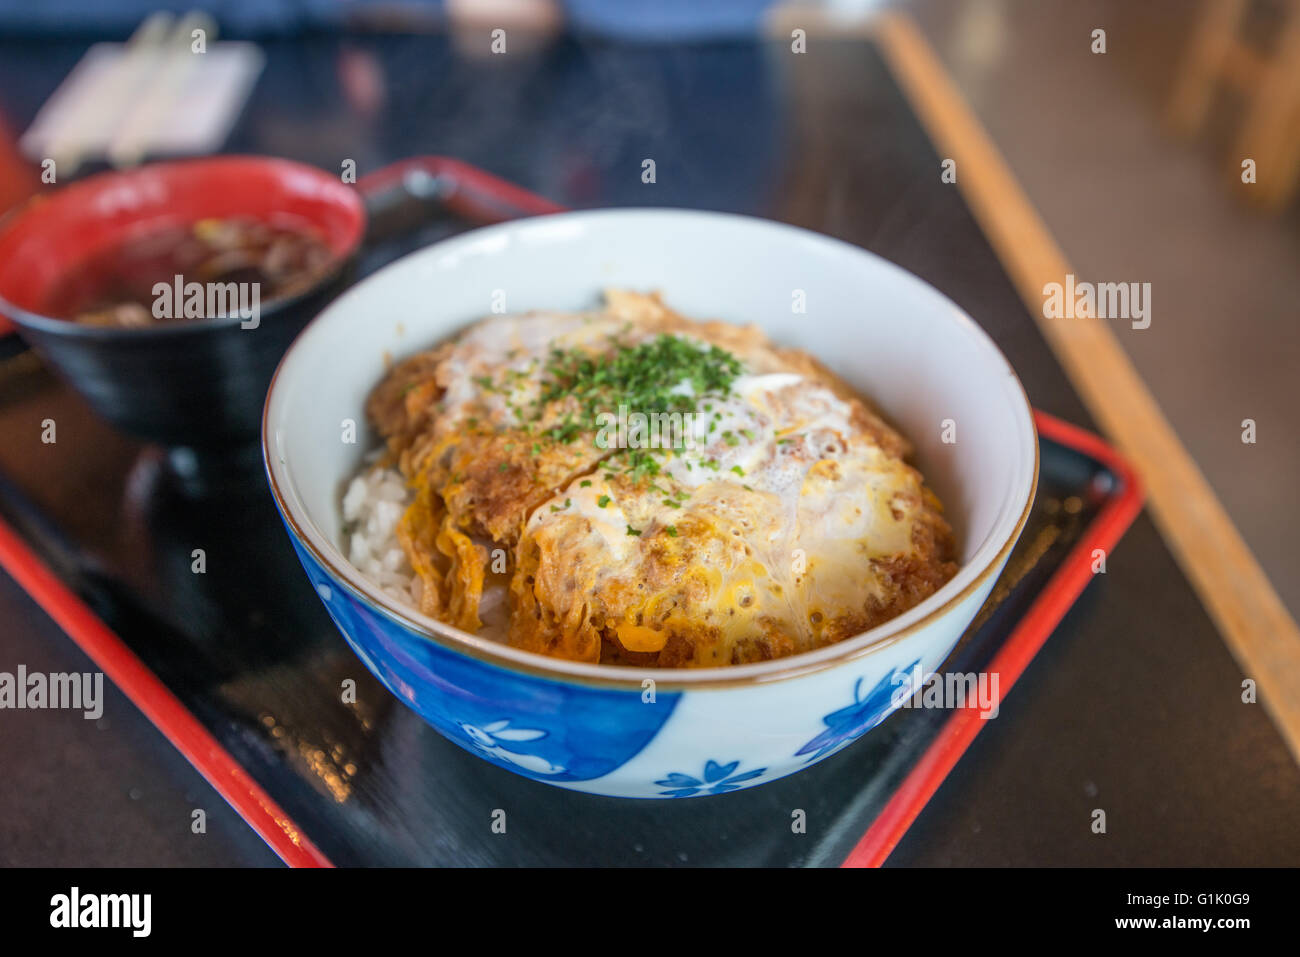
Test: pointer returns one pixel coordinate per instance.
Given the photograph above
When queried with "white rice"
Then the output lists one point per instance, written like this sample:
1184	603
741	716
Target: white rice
372	505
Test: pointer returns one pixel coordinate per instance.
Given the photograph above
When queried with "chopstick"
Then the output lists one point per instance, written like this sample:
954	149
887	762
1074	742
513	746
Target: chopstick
175	60
113	96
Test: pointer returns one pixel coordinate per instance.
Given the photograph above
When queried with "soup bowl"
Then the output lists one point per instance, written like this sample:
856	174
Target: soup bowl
197	383
638	732
200	384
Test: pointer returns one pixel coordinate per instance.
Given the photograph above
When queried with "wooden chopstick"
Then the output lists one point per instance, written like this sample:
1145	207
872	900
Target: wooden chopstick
114	96
175	61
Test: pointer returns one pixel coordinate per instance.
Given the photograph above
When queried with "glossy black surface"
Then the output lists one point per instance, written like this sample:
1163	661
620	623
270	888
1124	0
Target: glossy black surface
199	390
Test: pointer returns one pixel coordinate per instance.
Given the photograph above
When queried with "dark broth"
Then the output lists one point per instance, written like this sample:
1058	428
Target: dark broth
116	287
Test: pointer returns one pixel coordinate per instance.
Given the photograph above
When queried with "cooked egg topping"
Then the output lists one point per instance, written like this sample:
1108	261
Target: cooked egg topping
651	490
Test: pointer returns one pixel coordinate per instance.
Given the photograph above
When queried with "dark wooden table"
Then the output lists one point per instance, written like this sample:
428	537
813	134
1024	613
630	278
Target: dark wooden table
1133	706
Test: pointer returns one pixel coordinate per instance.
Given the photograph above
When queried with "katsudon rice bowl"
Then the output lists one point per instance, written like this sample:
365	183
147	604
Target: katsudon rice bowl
626	486
708	486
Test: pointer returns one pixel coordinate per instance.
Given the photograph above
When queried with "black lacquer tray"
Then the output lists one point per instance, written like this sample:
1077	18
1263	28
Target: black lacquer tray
247	648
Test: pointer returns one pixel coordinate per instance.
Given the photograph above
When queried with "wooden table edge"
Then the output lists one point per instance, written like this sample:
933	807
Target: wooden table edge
1255	625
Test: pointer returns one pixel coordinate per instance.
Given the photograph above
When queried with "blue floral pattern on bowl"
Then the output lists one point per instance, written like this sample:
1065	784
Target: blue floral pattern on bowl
850	723
492	740
717	779
543	729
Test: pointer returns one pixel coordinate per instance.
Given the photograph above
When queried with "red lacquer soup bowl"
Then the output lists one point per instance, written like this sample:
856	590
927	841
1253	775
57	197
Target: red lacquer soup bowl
196	382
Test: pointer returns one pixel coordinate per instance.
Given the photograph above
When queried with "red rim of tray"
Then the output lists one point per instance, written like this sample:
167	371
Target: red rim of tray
1028	636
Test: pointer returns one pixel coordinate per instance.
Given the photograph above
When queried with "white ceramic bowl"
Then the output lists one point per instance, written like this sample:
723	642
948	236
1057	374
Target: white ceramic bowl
646	732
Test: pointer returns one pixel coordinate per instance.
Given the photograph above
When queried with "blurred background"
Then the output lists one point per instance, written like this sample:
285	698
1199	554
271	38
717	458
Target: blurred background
1133	158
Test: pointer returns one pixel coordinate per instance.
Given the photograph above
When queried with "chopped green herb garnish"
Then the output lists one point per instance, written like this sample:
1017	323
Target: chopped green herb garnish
602	501
641	463
645	377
